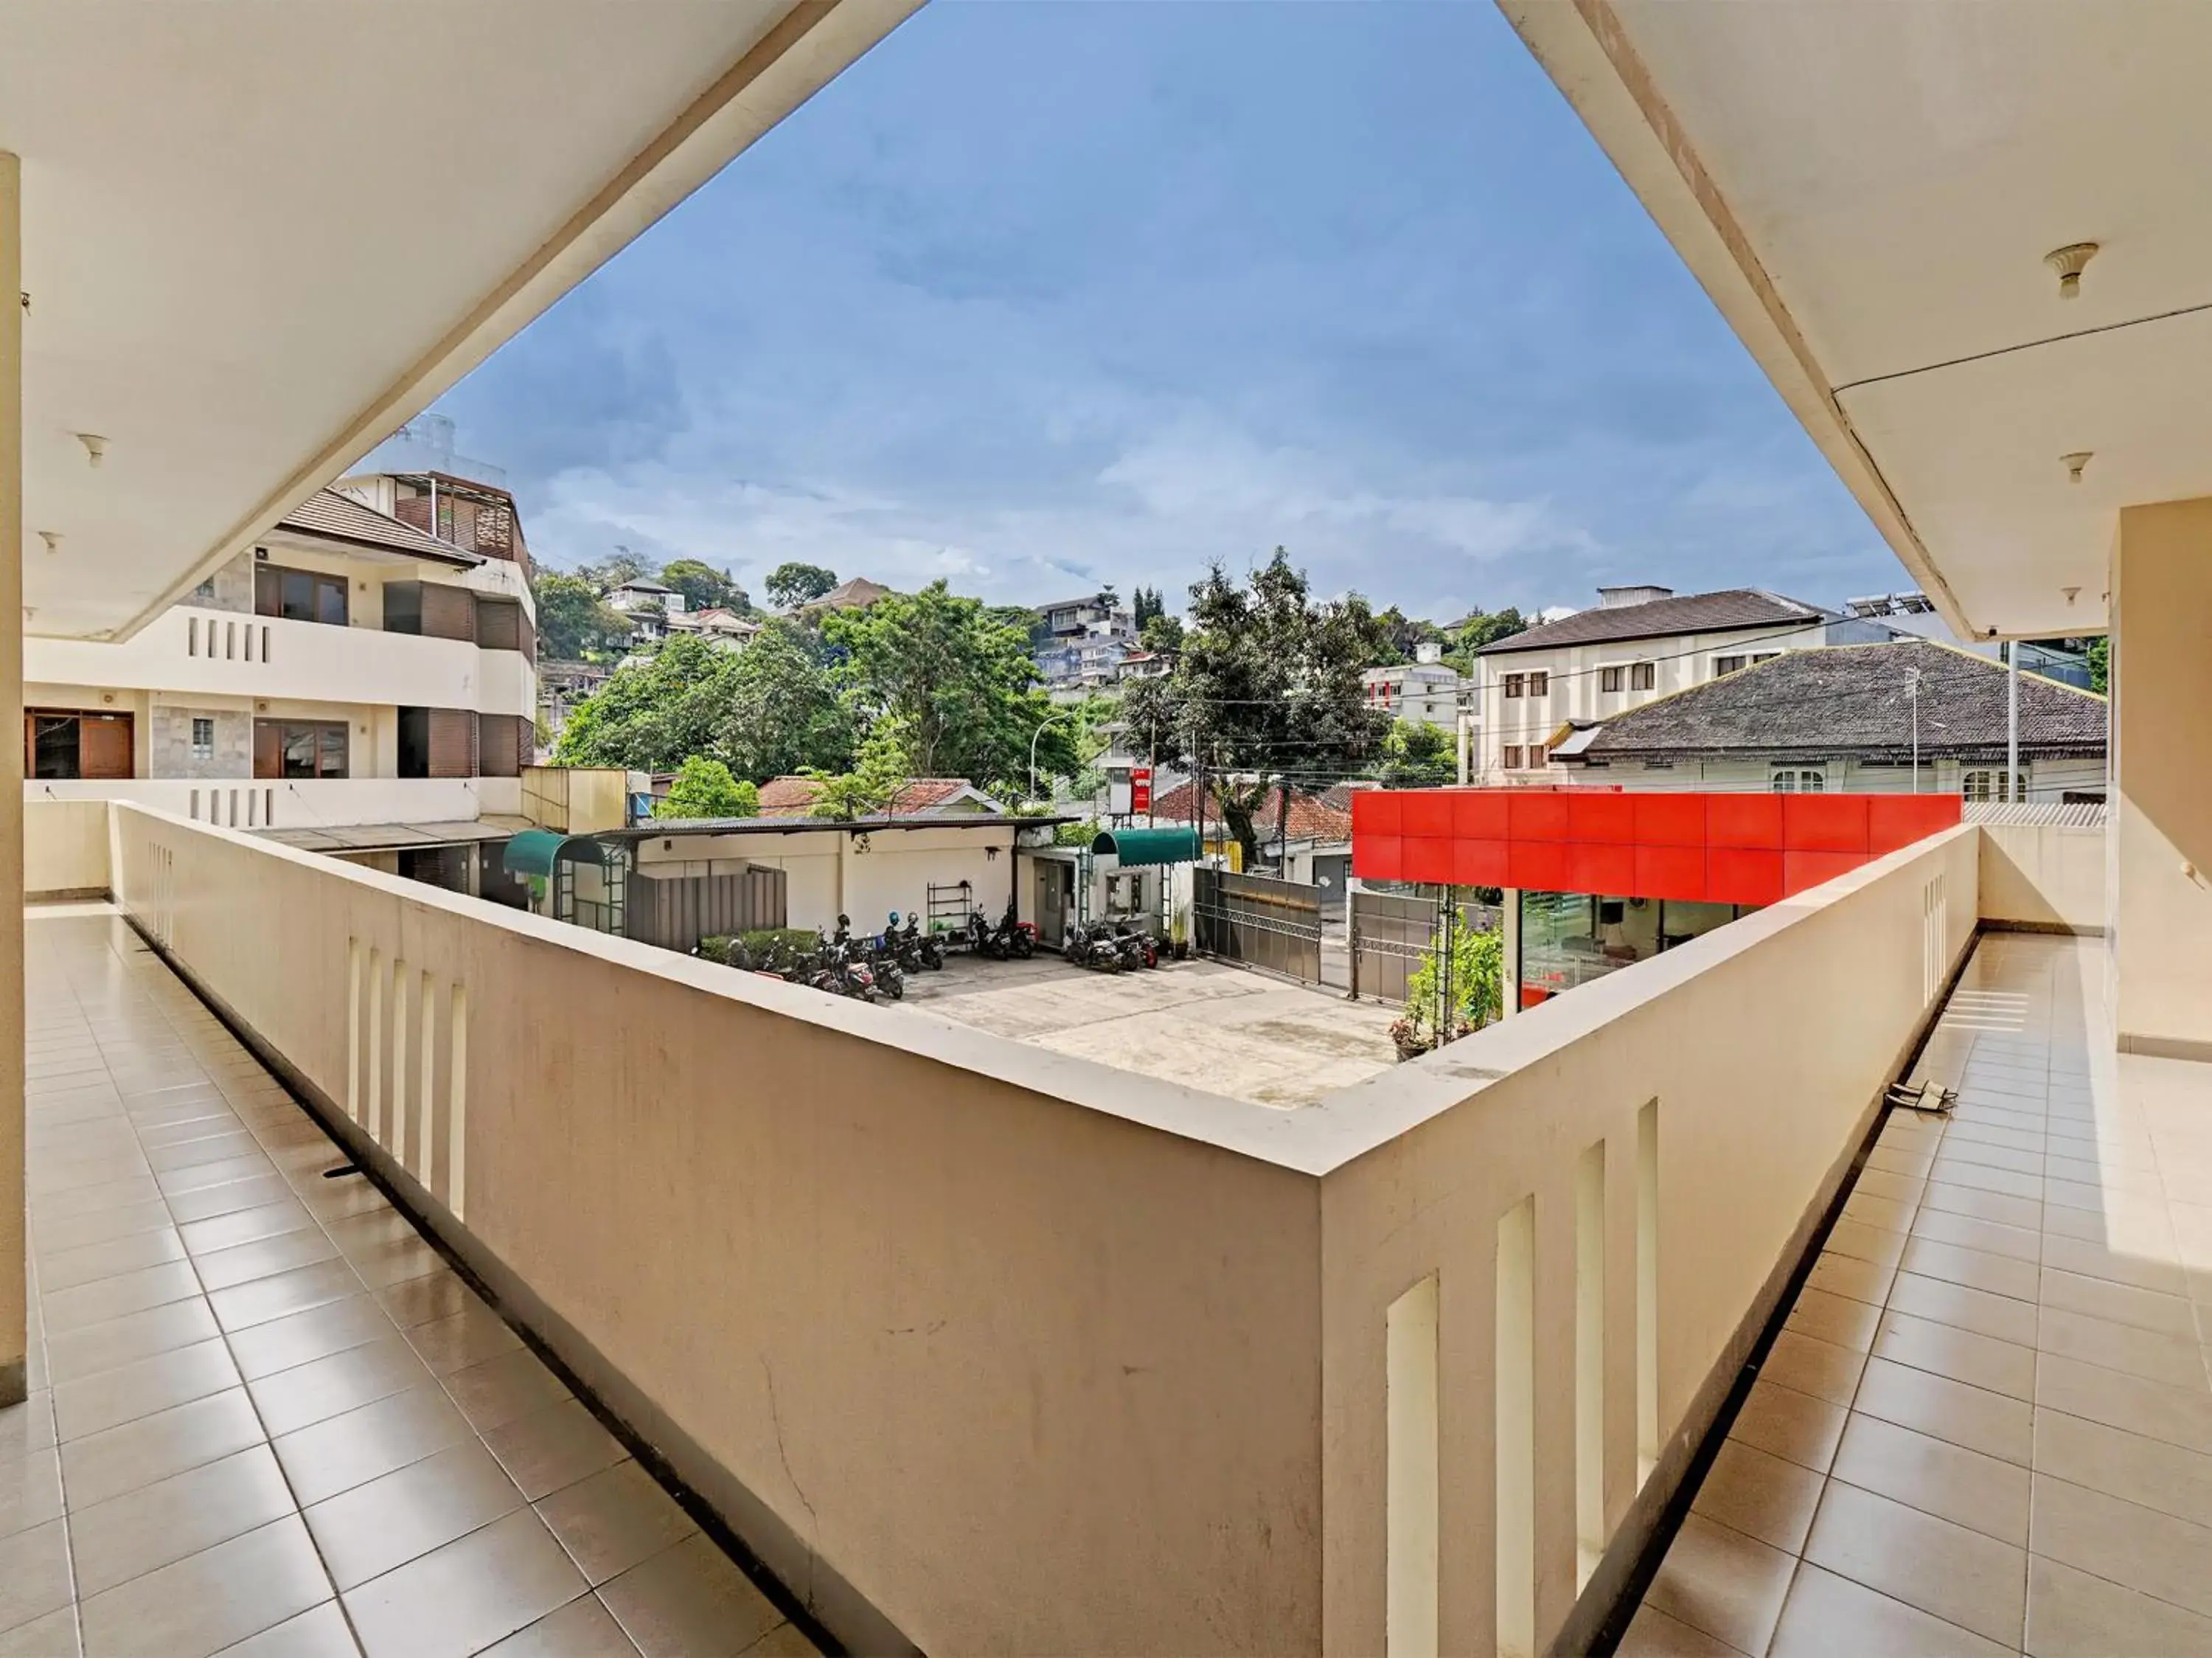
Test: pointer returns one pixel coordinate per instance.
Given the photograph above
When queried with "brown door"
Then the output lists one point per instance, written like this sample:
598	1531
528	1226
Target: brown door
104	746
268	749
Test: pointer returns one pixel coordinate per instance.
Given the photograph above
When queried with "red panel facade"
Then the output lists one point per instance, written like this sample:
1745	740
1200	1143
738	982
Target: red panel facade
1721	849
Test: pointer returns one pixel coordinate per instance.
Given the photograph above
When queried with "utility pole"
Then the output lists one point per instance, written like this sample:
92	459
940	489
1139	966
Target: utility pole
1466	744
1912	684
2013	791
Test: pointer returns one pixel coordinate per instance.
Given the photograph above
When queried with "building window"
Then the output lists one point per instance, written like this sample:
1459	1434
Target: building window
203	739
1800	780
1990	785
1516	684
205	589
300	595
289	749
1643	676
1759	656
1726	665
1540	685
1513	757
1608	679
62	746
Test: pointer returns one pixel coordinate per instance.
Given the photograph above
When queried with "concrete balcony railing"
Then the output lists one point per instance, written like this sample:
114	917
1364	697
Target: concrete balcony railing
299	803
990	1350
224	653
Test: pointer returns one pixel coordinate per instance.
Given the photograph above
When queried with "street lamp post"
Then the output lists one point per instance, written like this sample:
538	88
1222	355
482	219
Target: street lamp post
1055	713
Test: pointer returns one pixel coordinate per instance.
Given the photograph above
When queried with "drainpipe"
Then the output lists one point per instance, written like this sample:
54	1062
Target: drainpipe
1509	993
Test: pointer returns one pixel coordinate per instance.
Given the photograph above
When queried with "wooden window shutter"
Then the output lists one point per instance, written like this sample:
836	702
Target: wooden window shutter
452	742
499	623
268	749
497	747
448	613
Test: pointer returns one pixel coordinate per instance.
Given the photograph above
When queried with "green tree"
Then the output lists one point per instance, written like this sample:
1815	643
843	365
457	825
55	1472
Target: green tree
574	623
1418	755
883	766
654	715
702	586
2100	664
1162	633
704	788
1144	604
622	565
958	679
783	715
792	585
1267	687
1478	982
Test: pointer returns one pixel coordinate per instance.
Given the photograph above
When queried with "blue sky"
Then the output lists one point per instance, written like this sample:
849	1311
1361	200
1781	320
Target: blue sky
1038	295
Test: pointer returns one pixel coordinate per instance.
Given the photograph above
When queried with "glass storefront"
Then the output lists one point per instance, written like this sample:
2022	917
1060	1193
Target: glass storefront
1569	938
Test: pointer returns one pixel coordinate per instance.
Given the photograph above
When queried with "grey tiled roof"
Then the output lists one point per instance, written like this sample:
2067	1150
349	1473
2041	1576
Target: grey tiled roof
1690	612
327	512
1849	700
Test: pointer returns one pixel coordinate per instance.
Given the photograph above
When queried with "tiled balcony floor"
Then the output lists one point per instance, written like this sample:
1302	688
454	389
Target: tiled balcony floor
1987	1425
265	1418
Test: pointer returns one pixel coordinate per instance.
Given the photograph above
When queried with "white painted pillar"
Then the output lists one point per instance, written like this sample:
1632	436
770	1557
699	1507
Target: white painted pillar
1509	1001
14	1338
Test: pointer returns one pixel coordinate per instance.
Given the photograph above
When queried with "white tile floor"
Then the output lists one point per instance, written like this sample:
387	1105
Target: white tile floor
265	1418
1986	1428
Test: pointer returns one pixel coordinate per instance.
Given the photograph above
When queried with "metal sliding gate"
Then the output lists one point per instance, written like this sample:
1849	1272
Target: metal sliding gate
1391	935
1259	921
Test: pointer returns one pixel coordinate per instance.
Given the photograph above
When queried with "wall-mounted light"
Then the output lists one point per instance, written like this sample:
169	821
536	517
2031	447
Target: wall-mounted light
96	448
2068	262
2073	463
52	539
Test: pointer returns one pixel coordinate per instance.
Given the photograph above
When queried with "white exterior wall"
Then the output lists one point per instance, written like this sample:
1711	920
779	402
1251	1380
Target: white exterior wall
1416	693
831	872
1679	662
2047	780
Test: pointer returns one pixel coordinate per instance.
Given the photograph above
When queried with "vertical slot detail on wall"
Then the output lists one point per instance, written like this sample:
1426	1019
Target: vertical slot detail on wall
402	980
1647	1291
191	636
265	644
196	806
1590	1362
1409	1393
457	1102
353	1030
374	1085
229	641
426	1093
249	642
269	808
1514	1390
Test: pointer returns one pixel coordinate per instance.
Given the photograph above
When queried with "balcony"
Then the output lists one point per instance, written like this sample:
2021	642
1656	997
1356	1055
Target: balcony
296	803
984	1350
227	653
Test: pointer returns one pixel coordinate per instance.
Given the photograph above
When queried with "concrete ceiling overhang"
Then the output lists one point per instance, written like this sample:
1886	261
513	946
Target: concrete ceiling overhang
1868	193
258	235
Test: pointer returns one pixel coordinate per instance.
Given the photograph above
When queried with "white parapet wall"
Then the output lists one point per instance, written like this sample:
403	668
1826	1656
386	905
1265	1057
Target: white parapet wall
2044	876
65	849
994	1350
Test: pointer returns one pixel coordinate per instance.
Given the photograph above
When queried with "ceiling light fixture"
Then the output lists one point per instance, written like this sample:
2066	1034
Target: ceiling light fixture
2072	593
95	447
2073	463
52	539
2068	262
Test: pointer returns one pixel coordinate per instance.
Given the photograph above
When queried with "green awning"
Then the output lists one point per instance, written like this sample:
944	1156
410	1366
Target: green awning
532	852
1139	849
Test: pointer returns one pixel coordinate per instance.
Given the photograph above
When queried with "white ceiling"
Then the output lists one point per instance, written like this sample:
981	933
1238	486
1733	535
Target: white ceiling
1881	182
258	235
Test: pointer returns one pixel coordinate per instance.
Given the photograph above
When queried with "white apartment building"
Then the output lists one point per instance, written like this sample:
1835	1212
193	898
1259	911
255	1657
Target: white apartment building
1421	691
350	669
1639	644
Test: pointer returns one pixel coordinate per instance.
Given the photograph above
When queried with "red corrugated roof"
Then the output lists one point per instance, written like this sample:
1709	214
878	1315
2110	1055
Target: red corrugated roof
794	797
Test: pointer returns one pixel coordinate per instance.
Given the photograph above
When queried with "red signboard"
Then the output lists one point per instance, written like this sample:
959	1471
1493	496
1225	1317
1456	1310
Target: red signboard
1720	849
1140	789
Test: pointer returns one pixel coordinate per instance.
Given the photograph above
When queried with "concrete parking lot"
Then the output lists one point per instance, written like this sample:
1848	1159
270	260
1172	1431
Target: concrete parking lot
1224	1029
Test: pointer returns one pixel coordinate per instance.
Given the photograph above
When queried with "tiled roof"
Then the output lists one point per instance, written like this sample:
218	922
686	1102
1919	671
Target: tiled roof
1692	612
794	797
1312	818
328	513
1859	699
857	593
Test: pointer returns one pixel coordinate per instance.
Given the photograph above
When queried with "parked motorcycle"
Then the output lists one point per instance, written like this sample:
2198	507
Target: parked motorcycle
926	952
1137	947
1095	947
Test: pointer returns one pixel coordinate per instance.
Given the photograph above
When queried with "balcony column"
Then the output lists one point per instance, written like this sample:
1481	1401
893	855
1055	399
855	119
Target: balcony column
15	1340
2159	894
